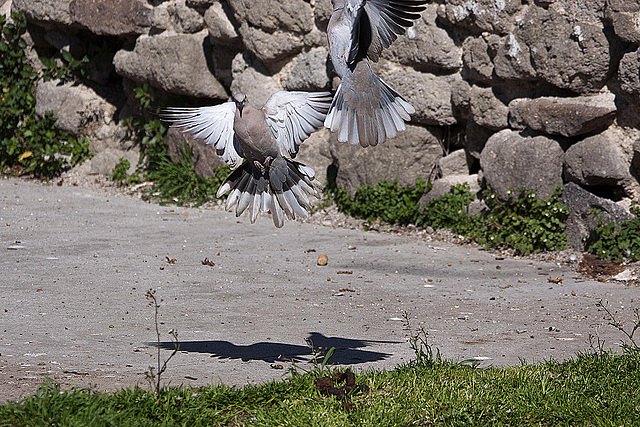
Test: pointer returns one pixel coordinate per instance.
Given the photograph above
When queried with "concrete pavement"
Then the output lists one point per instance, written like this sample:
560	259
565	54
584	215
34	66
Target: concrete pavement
77	262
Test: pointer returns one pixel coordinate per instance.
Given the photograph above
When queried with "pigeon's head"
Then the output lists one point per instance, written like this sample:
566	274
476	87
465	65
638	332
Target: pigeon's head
240	98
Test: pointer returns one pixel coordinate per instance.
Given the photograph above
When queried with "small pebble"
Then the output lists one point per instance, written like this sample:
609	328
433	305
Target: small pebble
323	259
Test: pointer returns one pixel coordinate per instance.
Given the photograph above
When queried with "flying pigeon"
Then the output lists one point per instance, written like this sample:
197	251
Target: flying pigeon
365	109
259	144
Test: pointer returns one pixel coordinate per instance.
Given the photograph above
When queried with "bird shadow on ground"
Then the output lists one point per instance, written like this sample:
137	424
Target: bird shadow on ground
347	351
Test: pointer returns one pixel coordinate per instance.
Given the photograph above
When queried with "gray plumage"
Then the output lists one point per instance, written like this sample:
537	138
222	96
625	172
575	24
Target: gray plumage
259	145
365	109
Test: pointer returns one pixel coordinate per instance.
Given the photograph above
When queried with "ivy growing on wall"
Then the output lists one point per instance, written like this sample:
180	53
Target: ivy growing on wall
29	144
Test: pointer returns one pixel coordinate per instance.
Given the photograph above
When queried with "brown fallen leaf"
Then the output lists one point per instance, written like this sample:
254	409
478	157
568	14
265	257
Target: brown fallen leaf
206	261
345	272
596	268
346	290
170	260
556	280
276	366
328	386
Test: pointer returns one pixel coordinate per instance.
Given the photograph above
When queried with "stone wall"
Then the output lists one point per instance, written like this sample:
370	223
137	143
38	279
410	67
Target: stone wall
511	93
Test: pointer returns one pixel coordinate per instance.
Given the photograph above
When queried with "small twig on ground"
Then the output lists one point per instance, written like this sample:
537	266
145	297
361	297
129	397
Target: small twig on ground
613	321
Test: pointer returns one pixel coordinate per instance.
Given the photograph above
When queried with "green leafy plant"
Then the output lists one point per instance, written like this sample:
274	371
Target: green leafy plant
29	144
119	172
177	182
614	243
149	132
65	68
385	201
526	223
452	211
174	181
120	176
523	222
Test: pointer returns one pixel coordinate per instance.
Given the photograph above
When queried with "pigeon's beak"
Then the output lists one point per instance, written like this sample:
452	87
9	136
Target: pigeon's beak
240	106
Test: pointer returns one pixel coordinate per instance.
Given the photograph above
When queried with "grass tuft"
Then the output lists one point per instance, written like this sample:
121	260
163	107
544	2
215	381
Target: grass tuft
590	389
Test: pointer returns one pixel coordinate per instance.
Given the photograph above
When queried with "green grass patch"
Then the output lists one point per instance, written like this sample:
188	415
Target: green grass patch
598	389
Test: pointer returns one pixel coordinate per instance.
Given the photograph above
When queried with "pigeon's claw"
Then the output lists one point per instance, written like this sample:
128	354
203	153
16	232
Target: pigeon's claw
259	166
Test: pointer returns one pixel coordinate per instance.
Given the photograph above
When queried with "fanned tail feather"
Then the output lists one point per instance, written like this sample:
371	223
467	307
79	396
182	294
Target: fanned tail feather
368	118
283	190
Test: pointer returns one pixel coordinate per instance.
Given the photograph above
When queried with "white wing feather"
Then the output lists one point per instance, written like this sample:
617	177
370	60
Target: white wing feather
213	125
294	116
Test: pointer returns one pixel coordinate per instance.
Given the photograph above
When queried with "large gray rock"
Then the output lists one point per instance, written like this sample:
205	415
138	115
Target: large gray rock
478	65
429	94
629	72
294	16
512	161
596	160
221	29
512	60
454	163
486	109
185	19
566	50
623	15
315	152
77	108
113	17
273	31
581	221
82	112
412	155
45	11
308	71
563	116
425	47
103	162
482	15
271	48
253	79
443	185
176	63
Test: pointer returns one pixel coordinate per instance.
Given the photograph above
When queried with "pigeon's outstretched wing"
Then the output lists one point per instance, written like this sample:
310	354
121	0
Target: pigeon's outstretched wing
294	116
379	23
213	125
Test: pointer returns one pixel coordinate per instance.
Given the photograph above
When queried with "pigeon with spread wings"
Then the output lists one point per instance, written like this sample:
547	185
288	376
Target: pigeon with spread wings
365	109
259	144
